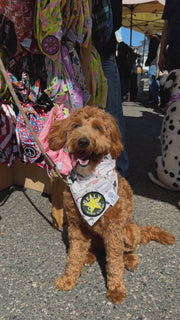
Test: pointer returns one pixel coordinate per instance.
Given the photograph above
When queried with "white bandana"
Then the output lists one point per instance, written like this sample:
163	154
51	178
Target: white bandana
94	194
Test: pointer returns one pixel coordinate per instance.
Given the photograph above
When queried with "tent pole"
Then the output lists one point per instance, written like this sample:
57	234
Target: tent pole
144	45
128	93
131	8
131	28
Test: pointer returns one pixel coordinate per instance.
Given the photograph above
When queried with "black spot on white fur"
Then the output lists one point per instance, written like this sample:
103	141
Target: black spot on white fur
171	76
173	109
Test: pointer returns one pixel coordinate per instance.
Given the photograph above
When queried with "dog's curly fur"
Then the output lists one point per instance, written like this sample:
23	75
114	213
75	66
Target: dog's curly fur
91	133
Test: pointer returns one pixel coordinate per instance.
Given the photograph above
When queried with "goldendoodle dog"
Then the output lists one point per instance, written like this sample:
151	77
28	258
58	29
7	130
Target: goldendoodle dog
98	202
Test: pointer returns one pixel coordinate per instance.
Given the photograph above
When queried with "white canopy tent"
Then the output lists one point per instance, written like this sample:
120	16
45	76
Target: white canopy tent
137	14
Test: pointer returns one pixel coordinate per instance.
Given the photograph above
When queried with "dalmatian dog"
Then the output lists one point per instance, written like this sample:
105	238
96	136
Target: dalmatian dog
168	163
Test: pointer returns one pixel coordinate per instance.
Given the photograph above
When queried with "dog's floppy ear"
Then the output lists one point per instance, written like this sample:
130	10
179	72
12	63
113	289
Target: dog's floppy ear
171	78
116	145
57	134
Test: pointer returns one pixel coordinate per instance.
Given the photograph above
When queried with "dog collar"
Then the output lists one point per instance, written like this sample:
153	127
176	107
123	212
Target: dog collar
173	99
94	194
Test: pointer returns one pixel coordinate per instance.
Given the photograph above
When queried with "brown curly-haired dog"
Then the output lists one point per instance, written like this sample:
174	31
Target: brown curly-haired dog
90	134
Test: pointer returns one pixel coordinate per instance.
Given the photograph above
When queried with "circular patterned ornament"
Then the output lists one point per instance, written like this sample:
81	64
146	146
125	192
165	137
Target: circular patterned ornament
50	45
30	152
93	204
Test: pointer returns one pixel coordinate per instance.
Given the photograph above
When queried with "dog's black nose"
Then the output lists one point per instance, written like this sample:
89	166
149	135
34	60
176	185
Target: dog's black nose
83	142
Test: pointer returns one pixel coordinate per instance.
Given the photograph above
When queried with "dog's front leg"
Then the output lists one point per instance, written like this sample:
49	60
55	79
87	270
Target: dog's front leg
114	247
77	253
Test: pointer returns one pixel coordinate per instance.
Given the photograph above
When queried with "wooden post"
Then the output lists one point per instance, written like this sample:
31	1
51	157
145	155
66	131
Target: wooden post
57	189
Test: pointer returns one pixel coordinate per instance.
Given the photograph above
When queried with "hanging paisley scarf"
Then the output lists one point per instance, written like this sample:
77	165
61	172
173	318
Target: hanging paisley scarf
99	82
61	81
49	26
77	22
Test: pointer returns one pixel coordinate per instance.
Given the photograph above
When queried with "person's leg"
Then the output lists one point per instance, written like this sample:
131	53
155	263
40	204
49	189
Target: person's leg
153	84
123	87
114	106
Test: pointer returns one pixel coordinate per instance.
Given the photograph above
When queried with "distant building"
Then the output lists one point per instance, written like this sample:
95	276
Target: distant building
142	49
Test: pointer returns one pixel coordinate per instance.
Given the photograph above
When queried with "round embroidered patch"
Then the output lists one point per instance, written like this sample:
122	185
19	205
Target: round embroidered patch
30	152
50	45
93	204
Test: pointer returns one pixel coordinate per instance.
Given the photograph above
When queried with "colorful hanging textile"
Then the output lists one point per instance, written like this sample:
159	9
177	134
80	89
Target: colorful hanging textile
9	141
21	13
78	71
61	83
102	23
31	152
49	26
58	19
99	82
78	22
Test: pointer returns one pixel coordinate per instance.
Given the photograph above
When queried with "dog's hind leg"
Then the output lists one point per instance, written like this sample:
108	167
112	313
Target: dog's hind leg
131	261
77	253
90	258
132	236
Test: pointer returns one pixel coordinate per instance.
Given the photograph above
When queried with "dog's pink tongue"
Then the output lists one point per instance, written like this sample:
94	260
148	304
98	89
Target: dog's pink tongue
75	158
83	162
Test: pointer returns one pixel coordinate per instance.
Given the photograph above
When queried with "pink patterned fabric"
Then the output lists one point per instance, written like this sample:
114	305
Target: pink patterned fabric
61	157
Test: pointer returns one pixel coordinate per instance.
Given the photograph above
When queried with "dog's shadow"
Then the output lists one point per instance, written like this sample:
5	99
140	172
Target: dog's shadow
6	194
143	146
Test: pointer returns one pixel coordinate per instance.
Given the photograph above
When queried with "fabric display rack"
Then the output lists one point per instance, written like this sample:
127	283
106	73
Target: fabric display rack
52	68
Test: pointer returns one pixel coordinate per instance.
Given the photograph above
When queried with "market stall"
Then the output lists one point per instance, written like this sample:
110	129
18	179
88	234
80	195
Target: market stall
46	50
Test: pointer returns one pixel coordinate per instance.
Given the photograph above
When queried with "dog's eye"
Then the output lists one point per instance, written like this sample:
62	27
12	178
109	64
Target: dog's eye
76	125
98	128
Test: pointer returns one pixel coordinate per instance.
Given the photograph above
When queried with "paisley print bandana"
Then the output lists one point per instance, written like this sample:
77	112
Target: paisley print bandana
94	194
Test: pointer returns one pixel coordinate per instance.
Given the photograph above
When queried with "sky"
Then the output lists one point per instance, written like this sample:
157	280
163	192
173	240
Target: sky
137	37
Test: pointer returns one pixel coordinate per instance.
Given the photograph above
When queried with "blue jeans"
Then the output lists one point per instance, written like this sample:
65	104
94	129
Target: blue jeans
153	83
114	106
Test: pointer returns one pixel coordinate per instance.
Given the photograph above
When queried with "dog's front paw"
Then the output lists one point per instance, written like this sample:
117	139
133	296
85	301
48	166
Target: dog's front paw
116	295
65	283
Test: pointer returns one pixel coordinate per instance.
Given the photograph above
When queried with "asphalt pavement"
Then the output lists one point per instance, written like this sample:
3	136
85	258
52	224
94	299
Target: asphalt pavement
33	255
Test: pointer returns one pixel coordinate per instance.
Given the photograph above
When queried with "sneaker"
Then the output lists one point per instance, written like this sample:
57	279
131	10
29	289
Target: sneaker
149	104
157	104
153	104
